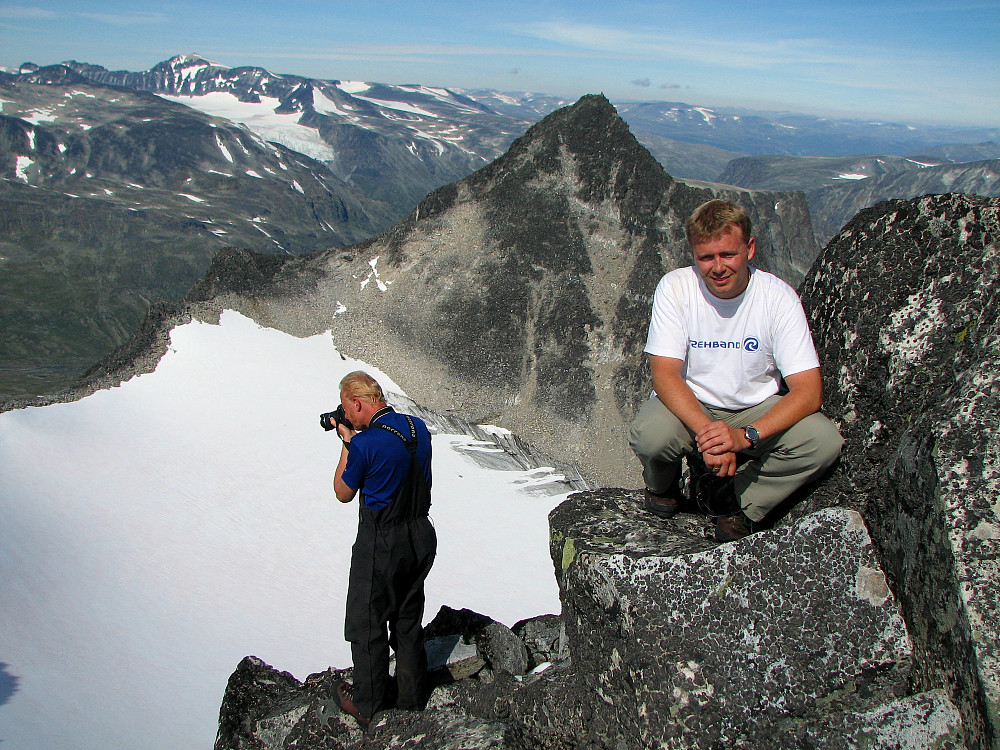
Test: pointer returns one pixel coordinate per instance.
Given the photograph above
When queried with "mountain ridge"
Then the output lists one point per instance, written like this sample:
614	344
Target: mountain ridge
838	188
112	198
518	296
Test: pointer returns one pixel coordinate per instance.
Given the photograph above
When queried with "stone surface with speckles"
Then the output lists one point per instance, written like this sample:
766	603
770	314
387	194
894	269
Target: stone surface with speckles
904	309
695	643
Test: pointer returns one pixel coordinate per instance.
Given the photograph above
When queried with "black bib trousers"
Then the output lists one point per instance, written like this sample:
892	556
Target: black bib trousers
390	560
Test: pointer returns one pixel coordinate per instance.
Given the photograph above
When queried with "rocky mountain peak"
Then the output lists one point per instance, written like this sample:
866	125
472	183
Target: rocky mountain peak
190	60
520	295
609	163
50	74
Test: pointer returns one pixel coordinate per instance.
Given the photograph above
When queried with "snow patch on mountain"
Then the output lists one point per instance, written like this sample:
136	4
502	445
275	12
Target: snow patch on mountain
262	119
352	87
708	114
225	151
38	116
327	106
153	534
400	106
21	165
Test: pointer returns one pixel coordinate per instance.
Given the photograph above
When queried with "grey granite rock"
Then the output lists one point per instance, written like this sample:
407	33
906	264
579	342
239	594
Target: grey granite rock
703	643
906	317
264	709
496	645
918	722
502	649
544	637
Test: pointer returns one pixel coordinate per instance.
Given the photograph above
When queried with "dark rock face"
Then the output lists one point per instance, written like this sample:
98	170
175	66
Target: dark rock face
838	187
468	708
833	207
904	309
694	644
520	296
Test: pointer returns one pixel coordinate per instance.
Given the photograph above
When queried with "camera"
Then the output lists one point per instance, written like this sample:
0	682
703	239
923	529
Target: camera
331	419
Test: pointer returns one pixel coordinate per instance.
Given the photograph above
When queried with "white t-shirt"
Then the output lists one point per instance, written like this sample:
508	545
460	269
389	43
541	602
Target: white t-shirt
734	351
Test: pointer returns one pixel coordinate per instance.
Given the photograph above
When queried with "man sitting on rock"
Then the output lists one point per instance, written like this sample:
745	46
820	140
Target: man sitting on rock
734	372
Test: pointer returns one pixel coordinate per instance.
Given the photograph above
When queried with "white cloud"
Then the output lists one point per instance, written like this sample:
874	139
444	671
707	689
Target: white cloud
27	13
129	19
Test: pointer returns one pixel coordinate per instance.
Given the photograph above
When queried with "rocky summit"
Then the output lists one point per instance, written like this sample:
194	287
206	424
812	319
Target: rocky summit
864	617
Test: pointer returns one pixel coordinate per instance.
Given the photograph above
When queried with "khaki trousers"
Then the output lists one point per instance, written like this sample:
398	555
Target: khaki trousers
779	465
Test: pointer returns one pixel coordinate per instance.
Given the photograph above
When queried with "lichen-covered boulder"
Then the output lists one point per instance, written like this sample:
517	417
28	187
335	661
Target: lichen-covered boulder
265	709
917	722
690	643
905	312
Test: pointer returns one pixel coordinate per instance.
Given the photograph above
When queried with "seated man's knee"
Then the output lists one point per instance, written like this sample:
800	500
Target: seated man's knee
828	441
643	442
659	442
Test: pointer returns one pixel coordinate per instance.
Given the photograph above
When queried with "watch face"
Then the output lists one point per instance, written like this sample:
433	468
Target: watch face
752	435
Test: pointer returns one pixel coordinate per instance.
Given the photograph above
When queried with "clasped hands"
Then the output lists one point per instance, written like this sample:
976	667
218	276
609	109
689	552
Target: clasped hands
719	443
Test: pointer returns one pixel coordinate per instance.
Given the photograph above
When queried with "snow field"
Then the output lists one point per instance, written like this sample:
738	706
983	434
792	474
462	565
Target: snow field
153	534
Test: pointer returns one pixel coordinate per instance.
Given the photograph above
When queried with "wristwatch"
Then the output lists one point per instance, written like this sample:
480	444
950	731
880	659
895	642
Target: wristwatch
751	434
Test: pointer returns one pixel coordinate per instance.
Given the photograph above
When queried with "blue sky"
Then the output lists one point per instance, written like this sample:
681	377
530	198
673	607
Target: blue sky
909	60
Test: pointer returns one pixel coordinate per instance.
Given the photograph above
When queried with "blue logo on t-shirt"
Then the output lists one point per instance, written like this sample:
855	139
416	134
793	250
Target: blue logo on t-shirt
750	344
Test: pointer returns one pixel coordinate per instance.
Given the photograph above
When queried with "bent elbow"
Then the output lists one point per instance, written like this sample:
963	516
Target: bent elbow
344	493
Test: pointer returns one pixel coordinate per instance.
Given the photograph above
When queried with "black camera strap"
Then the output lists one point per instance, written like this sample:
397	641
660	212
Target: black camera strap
393	430
413	500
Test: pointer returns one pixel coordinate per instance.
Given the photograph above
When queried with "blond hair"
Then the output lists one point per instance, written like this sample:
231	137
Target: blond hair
713	219
360	384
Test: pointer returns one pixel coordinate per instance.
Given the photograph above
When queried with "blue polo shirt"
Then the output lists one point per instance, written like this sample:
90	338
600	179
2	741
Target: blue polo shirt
378	462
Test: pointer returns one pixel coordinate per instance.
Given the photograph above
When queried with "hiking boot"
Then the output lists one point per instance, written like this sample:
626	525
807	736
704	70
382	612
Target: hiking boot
345	697
734	527
664	506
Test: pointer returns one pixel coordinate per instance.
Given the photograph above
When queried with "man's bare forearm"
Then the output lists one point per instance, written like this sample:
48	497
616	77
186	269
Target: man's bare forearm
675	394
804	397
343	492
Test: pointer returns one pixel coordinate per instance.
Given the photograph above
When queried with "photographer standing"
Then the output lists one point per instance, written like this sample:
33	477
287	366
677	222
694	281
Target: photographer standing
387	456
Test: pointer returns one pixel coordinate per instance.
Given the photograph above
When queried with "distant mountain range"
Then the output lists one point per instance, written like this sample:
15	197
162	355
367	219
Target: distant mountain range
477	125
117	188
838	187
112	198
394	143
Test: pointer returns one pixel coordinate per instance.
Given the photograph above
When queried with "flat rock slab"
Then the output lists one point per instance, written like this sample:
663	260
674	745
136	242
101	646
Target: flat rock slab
700	642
